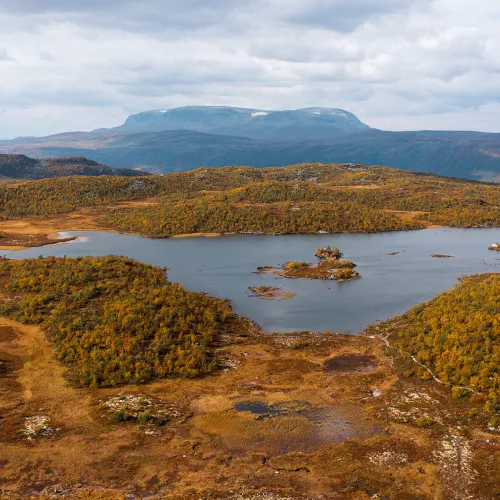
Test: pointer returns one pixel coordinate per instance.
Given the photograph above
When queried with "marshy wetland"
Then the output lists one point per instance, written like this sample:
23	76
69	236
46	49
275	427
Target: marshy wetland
278	420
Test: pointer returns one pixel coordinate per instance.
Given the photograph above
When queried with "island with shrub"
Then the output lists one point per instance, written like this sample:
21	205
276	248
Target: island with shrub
330	267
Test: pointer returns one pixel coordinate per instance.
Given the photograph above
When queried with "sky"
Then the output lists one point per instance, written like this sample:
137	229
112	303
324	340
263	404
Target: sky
397	64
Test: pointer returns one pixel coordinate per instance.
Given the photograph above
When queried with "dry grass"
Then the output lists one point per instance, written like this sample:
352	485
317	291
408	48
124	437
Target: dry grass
412	215
214	451
21	241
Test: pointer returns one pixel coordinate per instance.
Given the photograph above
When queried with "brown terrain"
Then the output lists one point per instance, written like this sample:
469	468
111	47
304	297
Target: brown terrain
19	241
287	416
339	271
24	232
270	293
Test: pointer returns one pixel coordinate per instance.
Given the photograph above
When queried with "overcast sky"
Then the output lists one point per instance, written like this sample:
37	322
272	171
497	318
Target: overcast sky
397	64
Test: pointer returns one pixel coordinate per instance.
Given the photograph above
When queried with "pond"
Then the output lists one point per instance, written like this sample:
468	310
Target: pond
225	267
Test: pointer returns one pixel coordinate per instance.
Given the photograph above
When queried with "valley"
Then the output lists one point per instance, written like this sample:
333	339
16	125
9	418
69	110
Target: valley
249	250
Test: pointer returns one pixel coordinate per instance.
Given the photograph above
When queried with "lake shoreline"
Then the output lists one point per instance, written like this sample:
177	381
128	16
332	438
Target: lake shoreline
225	268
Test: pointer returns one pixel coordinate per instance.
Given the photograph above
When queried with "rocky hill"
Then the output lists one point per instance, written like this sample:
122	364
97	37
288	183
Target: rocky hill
19	166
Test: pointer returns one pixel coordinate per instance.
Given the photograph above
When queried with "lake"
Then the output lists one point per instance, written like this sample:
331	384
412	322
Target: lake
225	267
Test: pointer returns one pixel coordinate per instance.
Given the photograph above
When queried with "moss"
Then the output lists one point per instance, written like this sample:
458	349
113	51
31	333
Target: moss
424	422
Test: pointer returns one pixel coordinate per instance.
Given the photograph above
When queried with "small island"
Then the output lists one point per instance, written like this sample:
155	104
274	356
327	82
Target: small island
330	267
270	293
494	246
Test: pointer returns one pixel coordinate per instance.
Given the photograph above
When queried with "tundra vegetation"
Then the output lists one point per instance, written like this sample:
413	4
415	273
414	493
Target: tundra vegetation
270	293
325	415
308	198
313	415
158	375
113	320
456	338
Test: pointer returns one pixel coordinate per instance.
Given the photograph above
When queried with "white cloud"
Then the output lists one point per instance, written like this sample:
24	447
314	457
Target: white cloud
397	64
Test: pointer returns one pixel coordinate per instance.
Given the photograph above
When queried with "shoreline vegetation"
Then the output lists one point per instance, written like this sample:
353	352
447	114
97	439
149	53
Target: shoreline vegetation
298	199
105	357
114	320
453	339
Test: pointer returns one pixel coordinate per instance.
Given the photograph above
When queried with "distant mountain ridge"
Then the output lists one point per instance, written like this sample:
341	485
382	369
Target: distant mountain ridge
19	166
239	136
306	123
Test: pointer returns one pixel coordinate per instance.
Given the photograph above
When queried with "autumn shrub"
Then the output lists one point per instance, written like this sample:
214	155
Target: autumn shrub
113	320
457	336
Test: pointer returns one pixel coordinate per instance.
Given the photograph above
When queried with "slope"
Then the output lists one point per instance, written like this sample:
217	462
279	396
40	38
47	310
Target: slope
18	166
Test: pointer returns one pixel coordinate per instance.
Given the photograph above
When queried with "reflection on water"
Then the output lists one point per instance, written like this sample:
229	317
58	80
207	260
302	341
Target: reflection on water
224	267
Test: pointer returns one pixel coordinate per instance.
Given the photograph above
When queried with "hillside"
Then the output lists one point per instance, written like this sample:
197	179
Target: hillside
307	198
458	154
81	306
457	337
18	166
107	350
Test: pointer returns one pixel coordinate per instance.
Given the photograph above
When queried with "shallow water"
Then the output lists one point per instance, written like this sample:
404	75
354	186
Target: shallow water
258	408
333	425
225	267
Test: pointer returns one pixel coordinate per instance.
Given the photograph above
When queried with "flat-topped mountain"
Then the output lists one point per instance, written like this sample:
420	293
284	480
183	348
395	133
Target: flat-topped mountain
19	166
307	123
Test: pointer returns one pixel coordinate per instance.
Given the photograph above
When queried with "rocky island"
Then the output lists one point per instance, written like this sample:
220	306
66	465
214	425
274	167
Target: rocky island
330	267
270	293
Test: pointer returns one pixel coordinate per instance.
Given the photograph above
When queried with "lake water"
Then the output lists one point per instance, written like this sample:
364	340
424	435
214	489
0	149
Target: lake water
225	266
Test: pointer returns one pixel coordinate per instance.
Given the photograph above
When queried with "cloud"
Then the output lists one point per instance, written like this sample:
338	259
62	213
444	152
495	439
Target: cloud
46	56
4	56
395	63
154	16
344	15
